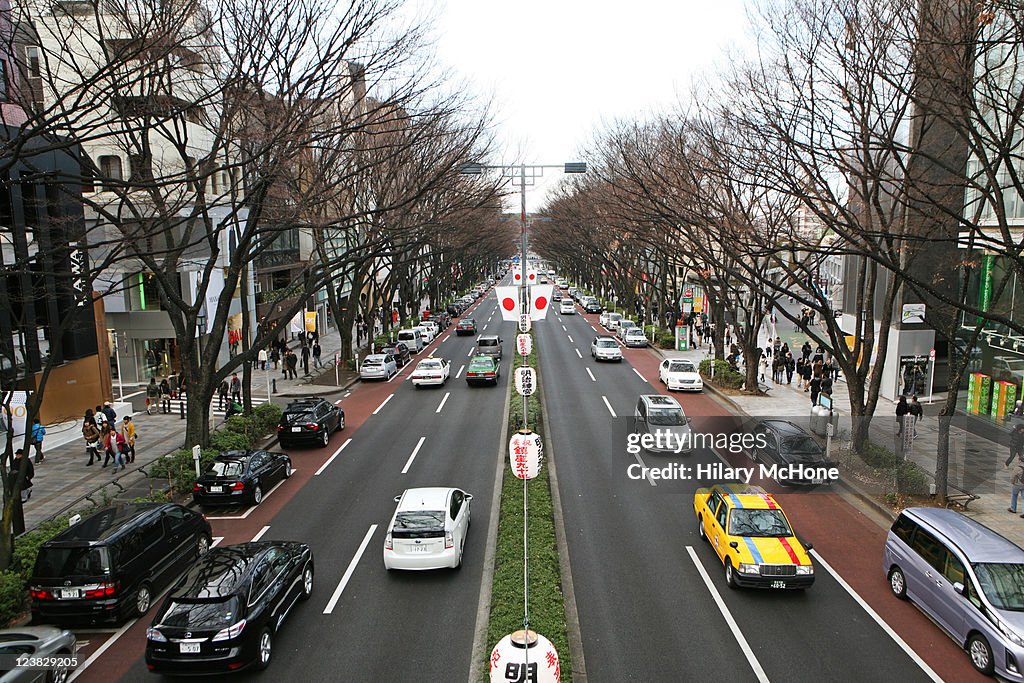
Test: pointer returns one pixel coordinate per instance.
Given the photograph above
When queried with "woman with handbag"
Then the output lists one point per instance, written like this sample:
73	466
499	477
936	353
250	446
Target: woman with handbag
91	434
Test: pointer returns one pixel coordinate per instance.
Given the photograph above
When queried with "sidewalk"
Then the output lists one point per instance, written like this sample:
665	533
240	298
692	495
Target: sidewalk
63	480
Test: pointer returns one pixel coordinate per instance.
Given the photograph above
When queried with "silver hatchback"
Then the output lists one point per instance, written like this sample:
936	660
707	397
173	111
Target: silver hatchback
488	345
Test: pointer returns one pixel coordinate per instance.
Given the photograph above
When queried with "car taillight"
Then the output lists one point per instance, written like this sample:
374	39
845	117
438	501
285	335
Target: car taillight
238	486
41	593
388	543
197	487
313	426
155	635
280	428
488	374
449	540
230	632
103	590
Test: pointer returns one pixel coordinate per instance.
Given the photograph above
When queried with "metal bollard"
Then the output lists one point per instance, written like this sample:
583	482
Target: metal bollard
181	406
274	381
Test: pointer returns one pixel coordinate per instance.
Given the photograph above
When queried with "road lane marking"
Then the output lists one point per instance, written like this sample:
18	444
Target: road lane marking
592	379
640	461
609	405
443	400
394	376
754	664
639	375
383	404
216	541
463	367
485	326
333	456
445	338
351	569
101	649
878	620
253	507
470	353
412	457
563	329
593	328
570	338
259	535
578	353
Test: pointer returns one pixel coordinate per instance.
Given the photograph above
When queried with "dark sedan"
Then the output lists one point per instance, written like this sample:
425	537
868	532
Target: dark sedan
784	443
309	422
465	326
399	351
593	306
240	477
224	614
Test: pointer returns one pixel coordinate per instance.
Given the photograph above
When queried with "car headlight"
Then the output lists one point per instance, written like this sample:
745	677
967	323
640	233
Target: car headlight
804	569
750	569
1008	631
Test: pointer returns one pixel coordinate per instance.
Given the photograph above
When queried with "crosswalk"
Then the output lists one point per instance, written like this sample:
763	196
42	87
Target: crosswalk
179	405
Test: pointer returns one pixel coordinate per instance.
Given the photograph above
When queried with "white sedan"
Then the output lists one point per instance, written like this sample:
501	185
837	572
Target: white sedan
431	371
567	307
635	338
605	348
426	333
428	529
378	366
678	374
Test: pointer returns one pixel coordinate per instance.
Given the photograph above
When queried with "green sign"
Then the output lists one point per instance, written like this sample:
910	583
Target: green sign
988	262
682	339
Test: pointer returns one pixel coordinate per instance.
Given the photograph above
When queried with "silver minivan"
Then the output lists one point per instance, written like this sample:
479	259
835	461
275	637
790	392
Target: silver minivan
967	578
412	338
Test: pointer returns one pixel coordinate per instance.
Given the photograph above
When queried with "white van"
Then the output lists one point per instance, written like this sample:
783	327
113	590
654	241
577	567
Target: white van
412	338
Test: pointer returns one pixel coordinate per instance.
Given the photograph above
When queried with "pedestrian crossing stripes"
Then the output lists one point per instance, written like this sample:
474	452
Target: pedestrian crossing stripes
179	405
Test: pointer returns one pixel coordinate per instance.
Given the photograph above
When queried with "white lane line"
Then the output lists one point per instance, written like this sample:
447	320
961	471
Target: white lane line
394	376
102	648
412	457
578	353
639	375
469	354
383	404
640	461
259	535
445	338
592	379
563	329
593	328
216	541
253	507
570	338
333	456
351	570
440	406
754	664
609	405
485	326
461	368
878	620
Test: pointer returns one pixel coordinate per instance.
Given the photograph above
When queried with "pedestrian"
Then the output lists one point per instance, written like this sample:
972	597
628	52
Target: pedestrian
1016	445
109	443
236	388
152	395
222	394
807	375
91	434
293	363
108	410
826	385
800	372
790	367
129	434
38	432
817	369
317	350
165	396
305	359
23	464
366	330
784	349
815	390
275	355
902	410
778	367
100	417
805	350
262	358
916	412
120	446
1016	486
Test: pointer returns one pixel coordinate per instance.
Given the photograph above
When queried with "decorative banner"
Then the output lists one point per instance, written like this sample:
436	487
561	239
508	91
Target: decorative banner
517	276
310	321
524	454
524	344
540	301
524	322
523	657
526	382
508	303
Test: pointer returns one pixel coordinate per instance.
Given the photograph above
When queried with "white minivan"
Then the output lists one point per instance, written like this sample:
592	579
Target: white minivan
412	338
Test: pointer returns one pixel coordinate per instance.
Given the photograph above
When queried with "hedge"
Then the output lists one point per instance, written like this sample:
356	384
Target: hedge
724	375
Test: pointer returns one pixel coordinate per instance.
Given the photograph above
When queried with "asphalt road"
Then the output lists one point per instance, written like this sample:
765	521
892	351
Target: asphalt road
385	626
647	613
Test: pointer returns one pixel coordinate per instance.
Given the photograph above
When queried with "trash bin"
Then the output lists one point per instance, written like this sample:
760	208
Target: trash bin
819	418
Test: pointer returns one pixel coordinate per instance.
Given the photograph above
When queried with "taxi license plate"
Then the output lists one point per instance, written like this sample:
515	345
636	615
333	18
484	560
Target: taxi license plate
296	429
69	594
778	584
817	481
189	648
216	489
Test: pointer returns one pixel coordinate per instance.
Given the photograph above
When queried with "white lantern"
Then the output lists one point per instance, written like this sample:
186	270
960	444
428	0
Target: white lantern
524	344
525	656
526	381
525	450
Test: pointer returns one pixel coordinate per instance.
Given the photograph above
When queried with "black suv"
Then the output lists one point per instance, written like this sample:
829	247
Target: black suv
309	421
787	443
240	477
107	567
225	612
399	351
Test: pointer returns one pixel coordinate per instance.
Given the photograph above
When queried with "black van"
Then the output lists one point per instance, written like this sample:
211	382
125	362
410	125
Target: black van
108	567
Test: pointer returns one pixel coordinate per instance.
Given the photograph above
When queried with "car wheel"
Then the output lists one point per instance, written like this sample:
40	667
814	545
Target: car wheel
700	528
730	575
202	545
257	495
307	581
143	599
325	437
981	654
59	674
288	470
898	583
266	649
341	423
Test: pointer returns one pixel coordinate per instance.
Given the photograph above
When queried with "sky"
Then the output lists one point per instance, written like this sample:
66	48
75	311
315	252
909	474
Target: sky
560	70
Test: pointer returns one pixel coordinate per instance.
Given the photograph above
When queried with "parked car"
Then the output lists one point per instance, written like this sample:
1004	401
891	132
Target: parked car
431	371
489	345
427	331
610	321
226	612
54	646
443	320
428	529
592	306
378	366
399	351
605	348
309	421
483	370
465	326
240	477
680	374
623	327
107	567
434	328
635	338
786	443
412	338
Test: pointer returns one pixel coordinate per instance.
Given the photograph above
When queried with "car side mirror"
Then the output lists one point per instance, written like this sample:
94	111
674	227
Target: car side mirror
734	545
959	588
807	546
469	496
398	498
640	418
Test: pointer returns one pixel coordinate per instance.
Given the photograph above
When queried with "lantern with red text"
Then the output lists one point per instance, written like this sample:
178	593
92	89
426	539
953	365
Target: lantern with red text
525	451
525	656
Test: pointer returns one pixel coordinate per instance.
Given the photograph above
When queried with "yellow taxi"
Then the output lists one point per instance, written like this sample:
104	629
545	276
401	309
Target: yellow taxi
753	538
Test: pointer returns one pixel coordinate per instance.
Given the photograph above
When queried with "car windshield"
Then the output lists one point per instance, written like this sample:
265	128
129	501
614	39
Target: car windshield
226	468
419	524
800	445
481	364
669	417
430	365
201	615
488	342
372	361
61	562
744	522
467	321
606	344
1002	584
615	316
681	366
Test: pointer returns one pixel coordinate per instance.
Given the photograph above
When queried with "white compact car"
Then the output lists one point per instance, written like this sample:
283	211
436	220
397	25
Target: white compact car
431	371
426	332
378	366
567	307
610	321
605	348
679	374
434	328
428	529
623	327
635	338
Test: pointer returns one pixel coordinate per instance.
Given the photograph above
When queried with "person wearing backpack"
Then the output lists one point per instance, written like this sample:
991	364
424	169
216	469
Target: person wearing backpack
38	432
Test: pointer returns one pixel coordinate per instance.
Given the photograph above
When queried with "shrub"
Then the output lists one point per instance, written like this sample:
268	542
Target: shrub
13	596
267	416
911	479
664	339
879	457
229	441
724	375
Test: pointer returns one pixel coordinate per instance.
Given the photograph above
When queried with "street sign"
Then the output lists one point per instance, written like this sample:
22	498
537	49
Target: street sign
524	322
526	381
524	344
